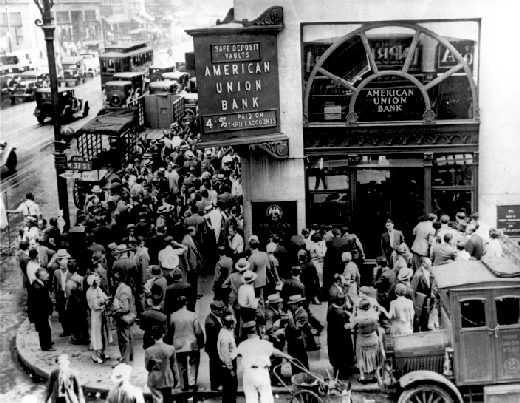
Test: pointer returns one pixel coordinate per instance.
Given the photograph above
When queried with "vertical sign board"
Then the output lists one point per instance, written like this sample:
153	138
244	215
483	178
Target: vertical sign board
274	218
508	219
237	80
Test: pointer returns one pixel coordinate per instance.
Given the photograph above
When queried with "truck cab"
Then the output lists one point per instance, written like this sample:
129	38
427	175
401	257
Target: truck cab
119	93
183	79
137	79
163	87
74	70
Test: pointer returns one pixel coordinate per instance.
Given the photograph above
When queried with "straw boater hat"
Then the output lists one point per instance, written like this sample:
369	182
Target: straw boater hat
91	279
121	248
242	265
112	246
274	299
253	238
216	305
164	209
249	277
189	155
185	147
404	274
96	189
249	326
293	299
208	153
121	373
63	254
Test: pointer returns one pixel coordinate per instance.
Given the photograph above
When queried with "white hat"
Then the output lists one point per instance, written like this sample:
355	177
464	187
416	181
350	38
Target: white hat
96	189
208	208
253	238
121	373
249	276
346	257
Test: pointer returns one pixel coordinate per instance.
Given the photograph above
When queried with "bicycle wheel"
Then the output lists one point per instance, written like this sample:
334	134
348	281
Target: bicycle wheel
305	396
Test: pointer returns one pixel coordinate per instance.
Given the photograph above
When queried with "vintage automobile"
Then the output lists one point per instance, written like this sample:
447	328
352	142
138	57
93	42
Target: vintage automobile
119	93
137	78
163	87
8	158
475	350
74	70
91	60
29	82
182	78
156	71
70	107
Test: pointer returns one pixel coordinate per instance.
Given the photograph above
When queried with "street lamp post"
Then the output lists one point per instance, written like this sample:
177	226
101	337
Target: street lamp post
60	159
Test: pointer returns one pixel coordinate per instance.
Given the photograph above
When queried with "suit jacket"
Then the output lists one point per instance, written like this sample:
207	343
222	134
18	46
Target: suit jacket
386	248
292	287
41	303
212	327
422	232
185	331
191	258
126	300
133	274
149	319
259	262
172	294
233	283
53	387
57	288
159	361
442	254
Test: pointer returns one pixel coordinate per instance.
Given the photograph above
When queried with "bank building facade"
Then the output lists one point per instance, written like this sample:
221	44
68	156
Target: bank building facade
353	112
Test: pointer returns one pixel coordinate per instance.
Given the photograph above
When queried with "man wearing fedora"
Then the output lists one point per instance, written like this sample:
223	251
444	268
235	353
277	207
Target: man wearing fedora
275	323
128	266
212	326
247	301
231	286
42	308
192	259
153	316
124	392
296	331
60	277
176	289
256	354
186	335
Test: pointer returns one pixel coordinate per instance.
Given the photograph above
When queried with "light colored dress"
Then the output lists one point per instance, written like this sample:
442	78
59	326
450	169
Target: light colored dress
369	348
402	313
95	299
352	278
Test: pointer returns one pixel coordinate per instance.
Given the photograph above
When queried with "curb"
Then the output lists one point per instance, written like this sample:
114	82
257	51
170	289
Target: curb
24	358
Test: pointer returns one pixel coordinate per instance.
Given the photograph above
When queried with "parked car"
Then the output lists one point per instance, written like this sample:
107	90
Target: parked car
137	78
119	93
156	71
182	78
29	82
74	70
8	158
69	106
163	87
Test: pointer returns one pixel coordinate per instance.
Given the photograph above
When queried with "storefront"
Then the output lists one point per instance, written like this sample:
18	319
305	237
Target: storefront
382	119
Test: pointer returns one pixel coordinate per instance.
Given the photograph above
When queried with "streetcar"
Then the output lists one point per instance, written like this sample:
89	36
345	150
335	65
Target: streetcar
124	57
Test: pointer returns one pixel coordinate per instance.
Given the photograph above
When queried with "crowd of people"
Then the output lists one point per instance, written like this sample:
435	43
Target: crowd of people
138	247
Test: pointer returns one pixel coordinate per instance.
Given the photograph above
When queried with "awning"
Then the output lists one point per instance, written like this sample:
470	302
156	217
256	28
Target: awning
147	16
276	145
116	19
139	20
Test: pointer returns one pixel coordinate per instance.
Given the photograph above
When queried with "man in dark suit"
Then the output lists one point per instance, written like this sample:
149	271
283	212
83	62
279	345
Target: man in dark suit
212	326
475	244
43	309
444	252
153	317
390	240
332	263
173	292
293	286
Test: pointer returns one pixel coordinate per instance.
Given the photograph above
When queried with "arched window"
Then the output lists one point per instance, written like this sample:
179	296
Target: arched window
389	71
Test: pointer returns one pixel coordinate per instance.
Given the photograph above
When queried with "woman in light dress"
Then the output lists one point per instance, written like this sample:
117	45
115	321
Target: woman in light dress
317	251
401	312
99	334
351	276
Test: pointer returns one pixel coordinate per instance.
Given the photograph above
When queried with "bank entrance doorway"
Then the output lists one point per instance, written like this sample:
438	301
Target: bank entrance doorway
362	193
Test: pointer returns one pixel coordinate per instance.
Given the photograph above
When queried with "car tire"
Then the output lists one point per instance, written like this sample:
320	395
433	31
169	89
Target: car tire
116	100
41	119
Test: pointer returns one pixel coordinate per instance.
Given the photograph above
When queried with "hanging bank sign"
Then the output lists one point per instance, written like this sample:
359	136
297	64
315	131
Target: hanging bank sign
237	80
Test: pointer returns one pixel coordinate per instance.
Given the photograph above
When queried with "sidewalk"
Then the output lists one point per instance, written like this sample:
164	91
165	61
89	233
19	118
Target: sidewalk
96	378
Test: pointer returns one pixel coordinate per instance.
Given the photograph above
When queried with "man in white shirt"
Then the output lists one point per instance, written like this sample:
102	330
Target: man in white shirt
226	348
28	207
169	256
256	354
215	219
31	231
236	242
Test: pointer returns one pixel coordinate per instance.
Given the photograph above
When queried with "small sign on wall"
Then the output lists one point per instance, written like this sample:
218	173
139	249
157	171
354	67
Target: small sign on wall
276	217
508	219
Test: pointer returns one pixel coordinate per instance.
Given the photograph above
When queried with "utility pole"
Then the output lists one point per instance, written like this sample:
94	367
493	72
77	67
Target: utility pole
60	159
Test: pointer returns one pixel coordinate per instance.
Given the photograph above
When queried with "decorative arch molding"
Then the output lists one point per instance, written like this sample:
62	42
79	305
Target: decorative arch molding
428	115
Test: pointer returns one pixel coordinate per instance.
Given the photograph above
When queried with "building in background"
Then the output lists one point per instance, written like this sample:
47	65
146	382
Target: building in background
77	20
368	110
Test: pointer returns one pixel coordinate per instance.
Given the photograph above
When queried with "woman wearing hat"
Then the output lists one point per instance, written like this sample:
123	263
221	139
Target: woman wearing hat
401	312
99	335
369	347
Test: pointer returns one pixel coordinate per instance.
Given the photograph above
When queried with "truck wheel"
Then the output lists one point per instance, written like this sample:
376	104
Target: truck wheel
85	109
426	394
41	119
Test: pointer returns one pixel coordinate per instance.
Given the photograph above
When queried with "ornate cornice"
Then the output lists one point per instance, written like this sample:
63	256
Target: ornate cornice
271	16
276	149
